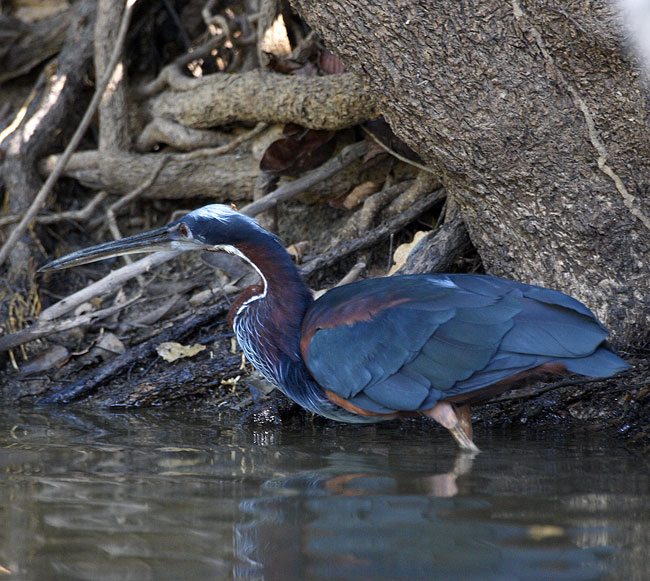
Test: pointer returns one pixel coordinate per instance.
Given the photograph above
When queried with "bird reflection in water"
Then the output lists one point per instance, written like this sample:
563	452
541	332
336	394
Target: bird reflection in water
321	524
438	485
365	525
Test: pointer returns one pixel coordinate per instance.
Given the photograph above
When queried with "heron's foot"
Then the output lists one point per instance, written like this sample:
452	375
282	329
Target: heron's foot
445	415
464	415
464	441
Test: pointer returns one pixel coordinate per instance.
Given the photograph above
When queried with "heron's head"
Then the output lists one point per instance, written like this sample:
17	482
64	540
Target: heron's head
213	227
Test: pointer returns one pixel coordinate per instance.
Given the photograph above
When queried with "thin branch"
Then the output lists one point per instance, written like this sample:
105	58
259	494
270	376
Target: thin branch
41	196
42	329
382	231
395	154
292	189
107	284
80	215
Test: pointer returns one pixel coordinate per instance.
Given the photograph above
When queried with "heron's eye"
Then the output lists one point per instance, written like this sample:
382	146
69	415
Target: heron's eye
184	230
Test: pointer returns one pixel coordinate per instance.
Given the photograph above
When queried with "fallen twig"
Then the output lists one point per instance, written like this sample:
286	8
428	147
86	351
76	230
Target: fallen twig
109	283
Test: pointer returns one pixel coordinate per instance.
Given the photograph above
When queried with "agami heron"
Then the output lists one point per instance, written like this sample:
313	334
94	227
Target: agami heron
385	347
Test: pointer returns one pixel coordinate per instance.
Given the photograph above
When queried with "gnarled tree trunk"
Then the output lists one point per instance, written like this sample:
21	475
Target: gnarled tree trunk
537	120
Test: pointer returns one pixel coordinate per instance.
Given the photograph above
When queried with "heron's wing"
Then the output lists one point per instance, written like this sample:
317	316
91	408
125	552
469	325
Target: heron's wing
403	343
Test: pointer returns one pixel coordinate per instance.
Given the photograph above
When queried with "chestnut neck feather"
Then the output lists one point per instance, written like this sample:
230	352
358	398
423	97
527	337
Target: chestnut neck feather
283	297
267	319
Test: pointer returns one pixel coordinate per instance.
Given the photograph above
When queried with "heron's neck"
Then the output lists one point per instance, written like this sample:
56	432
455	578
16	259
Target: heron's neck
268	315
267	318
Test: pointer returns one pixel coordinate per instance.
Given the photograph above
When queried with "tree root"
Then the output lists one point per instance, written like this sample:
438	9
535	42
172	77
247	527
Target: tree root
330	102
370	238
439	249
424	183
58	86
223	177
362	220
25	46
180	137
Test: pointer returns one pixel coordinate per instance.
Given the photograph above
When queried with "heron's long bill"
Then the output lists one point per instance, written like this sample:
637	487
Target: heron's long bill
159	239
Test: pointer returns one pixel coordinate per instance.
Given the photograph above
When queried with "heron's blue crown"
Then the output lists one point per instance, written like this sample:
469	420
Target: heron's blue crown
218	224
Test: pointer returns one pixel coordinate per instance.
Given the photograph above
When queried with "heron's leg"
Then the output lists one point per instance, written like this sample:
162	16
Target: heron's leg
464	415
444	414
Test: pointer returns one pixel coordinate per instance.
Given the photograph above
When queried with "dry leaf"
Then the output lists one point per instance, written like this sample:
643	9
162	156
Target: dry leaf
53	357
359	194
276	39
403	250
171	351
297	251
299	150
111	343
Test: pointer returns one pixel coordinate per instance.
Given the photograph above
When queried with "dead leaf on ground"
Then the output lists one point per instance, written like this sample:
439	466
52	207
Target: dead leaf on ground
111	345
299	150
403	250
171	351
358	194
297	251
53	357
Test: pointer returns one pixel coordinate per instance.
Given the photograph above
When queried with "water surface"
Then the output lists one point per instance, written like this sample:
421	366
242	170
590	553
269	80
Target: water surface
183	495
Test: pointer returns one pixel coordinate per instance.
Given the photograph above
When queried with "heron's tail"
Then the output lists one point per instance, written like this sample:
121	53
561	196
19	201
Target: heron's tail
601	363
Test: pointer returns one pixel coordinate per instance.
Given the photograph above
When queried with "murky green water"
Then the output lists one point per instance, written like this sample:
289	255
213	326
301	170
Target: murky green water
179	495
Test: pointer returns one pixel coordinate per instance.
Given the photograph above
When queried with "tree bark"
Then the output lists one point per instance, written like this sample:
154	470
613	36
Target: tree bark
329	102
536	120
25	46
